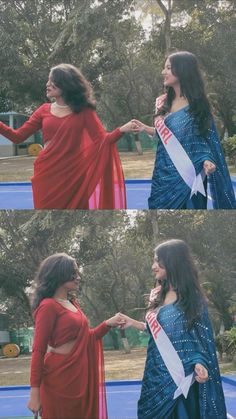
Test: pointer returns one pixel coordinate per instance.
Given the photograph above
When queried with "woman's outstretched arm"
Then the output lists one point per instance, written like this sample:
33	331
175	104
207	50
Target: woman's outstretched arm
19	135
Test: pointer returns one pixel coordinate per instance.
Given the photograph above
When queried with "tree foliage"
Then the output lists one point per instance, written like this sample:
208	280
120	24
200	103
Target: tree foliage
109	41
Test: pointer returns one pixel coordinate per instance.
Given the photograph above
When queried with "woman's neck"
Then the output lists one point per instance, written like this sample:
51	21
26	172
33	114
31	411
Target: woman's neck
177	91
60	102
61	294
170	297
178	102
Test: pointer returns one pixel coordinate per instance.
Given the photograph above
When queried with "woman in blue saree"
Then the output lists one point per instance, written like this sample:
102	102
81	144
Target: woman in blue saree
181	311
186	112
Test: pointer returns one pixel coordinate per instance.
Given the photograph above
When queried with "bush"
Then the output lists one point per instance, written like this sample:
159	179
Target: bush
229	146
226	343
230	336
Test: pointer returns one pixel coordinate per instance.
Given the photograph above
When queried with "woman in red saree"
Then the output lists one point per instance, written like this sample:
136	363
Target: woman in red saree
67	379
79	167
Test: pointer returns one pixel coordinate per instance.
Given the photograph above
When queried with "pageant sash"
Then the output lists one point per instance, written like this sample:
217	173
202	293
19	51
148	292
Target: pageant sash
180	158
170	357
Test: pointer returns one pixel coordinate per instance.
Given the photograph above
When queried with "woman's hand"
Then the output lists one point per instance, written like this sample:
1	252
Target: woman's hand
131	126
116	321
209	167
201	373
34	403
138	126
135	126
129	322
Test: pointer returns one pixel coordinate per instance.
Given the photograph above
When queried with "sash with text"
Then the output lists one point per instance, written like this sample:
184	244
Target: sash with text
170	357
180	158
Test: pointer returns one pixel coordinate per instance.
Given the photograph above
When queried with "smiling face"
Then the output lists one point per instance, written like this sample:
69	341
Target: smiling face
170	79
158	270
52	91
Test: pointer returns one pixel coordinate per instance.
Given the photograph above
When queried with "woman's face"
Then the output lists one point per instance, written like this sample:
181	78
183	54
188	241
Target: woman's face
52	91
158	270
73	284
169	79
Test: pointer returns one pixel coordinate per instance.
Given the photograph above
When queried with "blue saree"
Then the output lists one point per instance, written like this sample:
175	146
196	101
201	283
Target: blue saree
204	401
168	190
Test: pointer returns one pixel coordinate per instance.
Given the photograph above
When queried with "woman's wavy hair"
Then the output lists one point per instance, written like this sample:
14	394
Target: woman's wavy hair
76	90
53	272
184	66
181	276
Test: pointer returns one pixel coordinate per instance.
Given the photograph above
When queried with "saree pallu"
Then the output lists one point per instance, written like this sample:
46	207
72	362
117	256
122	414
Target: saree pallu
193	346
73	385
168	190
75	171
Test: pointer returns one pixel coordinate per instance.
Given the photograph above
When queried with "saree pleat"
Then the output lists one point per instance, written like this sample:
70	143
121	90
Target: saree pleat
72	386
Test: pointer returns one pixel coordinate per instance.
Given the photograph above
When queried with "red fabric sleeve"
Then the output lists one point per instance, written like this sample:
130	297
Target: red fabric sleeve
96	130
45	318
101	330
19	135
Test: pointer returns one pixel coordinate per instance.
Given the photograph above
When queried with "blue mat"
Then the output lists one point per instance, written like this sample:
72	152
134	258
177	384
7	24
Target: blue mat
18	195
122	397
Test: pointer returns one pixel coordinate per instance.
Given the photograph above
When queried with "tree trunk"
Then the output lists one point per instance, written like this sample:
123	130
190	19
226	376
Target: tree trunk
167	11
125	342
155	227
138	145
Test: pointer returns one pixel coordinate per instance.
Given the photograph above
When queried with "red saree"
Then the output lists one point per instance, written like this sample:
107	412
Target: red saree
72	385
79	167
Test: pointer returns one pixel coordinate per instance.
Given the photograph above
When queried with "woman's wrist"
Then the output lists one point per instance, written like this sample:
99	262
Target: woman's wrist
108	323
139	325
149	130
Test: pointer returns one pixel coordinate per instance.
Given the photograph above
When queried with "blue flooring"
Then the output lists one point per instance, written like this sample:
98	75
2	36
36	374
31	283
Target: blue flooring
18	195
122	397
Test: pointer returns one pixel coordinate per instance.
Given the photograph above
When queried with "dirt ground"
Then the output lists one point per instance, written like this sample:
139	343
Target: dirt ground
20	169
118	366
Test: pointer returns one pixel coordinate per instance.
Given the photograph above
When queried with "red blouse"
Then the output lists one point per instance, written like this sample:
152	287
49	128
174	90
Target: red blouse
54	326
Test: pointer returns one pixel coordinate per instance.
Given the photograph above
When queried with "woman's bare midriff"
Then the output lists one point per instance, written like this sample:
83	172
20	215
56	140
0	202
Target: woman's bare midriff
64	349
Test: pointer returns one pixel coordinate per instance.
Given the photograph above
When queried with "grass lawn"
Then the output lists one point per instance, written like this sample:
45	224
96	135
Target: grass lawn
118	366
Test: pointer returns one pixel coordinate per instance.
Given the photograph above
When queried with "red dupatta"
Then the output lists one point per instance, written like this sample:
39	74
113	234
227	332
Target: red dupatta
73	384
78	172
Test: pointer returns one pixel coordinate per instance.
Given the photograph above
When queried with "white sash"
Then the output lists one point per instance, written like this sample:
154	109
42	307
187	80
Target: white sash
170	357
180	158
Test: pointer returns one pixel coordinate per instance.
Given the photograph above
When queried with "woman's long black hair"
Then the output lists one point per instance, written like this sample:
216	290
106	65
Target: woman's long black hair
181	276
184	66
53	272
76	90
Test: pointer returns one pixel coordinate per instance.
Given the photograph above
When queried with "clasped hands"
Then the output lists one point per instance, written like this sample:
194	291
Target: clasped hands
120	320
134	126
